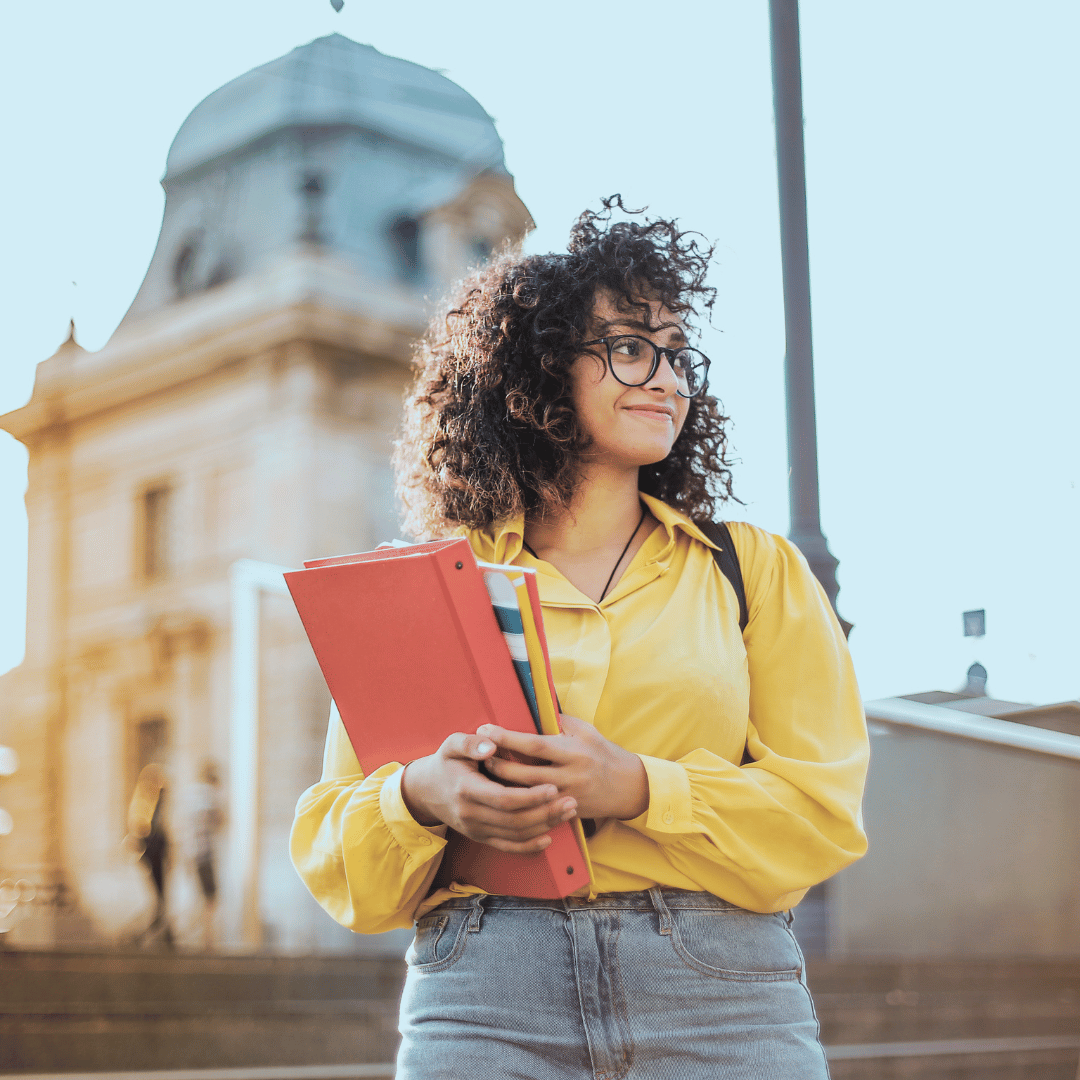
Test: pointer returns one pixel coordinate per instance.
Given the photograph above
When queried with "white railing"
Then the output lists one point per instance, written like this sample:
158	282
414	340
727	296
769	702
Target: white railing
986	729
248	579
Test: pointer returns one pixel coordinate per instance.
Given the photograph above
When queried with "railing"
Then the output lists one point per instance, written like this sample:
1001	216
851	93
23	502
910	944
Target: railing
939	720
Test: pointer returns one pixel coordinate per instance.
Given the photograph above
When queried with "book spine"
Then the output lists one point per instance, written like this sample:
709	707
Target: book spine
478	630
534	599
508	615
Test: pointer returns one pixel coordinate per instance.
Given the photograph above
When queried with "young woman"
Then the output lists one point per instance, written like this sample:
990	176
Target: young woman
561	420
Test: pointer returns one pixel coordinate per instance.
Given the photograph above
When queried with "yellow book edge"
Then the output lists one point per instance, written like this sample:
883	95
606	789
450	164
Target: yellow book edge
549	713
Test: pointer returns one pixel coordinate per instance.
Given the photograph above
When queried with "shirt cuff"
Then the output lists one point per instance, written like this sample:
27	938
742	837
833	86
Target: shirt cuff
421	842
671	808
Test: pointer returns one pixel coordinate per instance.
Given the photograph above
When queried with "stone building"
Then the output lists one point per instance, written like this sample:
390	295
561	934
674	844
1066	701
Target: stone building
243	409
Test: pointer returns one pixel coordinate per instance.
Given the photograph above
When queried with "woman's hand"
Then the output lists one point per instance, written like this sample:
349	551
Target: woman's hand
603	779
448	788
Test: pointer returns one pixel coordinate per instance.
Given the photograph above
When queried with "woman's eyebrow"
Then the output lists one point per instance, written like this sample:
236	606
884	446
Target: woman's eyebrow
623	324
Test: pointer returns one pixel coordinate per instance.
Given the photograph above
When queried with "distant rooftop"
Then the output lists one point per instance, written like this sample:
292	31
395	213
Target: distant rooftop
338	147
333	81
1062	716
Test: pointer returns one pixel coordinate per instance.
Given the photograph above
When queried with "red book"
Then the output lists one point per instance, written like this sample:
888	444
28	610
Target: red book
411	650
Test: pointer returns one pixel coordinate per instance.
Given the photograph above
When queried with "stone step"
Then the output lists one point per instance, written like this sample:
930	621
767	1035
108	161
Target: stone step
104	1041
1023	1058
945	1014
155	1010
117	1011
884	975
37	977
861	1002
381	1071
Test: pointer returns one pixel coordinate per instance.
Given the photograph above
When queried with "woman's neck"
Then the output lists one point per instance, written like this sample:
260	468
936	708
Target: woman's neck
583	542
605	508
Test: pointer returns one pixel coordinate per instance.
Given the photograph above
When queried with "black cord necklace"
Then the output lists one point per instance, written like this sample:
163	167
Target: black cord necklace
641	521
622	554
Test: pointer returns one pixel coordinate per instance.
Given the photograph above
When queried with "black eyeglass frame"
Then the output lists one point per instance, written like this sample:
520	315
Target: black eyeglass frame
659	353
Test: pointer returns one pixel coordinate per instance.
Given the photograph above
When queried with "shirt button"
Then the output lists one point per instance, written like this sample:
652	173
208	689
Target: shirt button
425	839
669	817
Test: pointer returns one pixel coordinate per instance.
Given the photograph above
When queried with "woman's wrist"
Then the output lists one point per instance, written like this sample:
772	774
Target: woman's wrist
634	783
412	794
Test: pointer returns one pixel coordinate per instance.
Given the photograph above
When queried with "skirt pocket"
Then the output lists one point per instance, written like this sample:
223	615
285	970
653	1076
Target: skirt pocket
439	940
731	943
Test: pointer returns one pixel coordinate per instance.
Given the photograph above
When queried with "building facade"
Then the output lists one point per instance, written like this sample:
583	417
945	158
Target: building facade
243	409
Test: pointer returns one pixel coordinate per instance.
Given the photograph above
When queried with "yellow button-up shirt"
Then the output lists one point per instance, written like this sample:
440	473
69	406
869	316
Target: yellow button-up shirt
661	668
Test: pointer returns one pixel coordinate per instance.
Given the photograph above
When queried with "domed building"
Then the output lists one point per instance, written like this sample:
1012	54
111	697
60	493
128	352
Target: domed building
392	167
238	421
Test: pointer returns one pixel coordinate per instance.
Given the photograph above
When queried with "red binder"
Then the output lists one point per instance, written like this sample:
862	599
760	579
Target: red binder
410	648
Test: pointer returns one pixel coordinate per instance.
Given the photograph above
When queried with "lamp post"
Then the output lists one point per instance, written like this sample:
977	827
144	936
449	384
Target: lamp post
799	358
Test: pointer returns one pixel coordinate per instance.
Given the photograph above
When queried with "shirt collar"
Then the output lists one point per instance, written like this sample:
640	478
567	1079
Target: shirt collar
503	541
673	519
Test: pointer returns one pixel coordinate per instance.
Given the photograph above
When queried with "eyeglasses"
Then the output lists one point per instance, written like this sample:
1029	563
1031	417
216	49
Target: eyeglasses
635	360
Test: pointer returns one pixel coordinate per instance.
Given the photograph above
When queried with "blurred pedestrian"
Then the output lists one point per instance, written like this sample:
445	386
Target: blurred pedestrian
146	827
206	816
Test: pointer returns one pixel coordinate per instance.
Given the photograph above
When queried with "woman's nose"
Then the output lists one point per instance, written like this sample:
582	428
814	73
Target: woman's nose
664	377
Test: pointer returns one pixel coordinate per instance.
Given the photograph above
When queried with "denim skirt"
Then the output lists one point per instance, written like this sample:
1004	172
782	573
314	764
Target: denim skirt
659	985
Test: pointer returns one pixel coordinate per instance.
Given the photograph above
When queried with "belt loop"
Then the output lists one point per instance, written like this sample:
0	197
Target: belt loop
657	898
476	913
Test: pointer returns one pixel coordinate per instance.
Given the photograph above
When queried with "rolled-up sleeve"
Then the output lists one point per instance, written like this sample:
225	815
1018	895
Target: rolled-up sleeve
760	834
359	851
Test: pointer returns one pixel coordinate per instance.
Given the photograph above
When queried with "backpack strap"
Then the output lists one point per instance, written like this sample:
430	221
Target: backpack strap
728	561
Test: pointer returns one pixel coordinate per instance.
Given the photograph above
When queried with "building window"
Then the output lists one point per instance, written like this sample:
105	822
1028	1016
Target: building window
221	274
154	529
405	234
480	250
184	271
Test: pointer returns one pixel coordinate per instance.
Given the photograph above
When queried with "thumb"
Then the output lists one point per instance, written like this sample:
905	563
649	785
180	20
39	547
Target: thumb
572	726
471	747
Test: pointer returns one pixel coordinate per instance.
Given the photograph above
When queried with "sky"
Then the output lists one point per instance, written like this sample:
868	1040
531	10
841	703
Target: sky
941	166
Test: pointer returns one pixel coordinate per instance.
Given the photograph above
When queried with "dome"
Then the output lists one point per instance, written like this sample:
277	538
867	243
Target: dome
336	82
374	162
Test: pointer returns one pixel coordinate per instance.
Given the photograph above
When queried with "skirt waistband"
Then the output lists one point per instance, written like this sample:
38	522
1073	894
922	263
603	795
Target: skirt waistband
655	899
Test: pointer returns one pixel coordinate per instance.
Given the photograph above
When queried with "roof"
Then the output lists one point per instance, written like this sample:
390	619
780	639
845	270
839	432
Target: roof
1061	716
332	82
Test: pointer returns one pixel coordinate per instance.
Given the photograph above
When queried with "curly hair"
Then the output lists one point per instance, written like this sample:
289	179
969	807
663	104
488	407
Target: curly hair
489	428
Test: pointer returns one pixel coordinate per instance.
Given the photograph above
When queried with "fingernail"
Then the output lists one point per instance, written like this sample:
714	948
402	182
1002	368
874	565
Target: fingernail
569	814
545	841
485	748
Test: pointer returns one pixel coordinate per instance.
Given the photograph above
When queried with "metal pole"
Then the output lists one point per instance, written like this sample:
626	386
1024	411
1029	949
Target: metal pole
799	359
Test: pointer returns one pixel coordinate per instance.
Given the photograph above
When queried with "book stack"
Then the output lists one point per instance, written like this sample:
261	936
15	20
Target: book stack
418	642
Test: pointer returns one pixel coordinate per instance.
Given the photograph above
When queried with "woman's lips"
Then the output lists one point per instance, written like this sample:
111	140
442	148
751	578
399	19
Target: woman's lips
651	412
